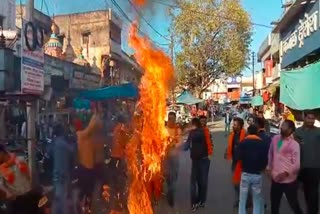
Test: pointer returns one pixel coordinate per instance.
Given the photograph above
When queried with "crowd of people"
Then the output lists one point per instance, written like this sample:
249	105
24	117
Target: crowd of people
289	159
86	152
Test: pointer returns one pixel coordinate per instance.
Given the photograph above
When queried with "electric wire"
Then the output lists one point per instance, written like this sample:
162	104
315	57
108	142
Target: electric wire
202	12
145	20
131	22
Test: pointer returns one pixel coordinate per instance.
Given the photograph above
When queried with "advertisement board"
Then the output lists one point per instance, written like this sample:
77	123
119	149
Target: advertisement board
301	36
32	59
234	82
268	67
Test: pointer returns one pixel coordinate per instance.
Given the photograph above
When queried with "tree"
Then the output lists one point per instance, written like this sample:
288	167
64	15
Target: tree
213	38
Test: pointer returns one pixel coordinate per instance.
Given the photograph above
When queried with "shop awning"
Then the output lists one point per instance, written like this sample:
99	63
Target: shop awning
187	98
299	88
257	101
245	99
128	90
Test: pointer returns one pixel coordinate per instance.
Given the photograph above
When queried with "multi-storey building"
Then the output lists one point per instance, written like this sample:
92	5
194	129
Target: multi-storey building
97	34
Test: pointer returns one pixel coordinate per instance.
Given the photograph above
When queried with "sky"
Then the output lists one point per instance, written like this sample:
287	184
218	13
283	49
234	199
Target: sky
261	12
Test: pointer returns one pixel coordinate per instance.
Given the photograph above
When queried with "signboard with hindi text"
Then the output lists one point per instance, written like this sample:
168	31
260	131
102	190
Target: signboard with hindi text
301	37
32	59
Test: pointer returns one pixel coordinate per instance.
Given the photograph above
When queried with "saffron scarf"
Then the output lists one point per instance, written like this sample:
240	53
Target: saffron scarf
236	178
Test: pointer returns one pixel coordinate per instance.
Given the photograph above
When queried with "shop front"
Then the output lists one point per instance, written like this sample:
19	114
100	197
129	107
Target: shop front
234	88
300	43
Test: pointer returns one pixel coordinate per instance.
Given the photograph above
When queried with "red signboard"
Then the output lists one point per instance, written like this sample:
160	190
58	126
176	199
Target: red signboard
268	65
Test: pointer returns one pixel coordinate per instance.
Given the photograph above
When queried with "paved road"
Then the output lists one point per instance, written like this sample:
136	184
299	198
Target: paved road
220	193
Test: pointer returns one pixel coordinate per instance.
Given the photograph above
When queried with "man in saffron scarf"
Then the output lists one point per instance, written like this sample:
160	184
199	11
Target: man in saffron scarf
235	138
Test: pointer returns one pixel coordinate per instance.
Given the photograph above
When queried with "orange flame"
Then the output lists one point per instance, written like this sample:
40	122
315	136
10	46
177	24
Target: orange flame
139	2
151	140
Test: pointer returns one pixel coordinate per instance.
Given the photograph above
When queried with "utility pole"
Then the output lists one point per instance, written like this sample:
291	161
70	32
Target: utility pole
253	79
172	48
31	116
172	59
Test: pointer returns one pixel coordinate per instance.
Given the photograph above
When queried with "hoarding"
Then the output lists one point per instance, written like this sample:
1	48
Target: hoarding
234	82
32	59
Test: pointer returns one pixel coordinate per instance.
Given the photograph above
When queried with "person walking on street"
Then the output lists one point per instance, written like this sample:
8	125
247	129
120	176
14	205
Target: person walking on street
266	122
227	122
200	152
309	136
235	138
253	154
171	163
260	123
284	165
63	153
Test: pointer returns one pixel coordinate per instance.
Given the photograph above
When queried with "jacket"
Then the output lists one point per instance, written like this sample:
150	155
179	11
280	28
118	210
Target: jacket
253	153
199	143
236	178
264	136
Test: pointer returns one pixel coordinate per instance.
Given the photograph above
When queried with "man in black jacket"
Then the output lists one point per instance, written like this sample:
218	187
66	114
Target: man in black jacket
200	152
253	152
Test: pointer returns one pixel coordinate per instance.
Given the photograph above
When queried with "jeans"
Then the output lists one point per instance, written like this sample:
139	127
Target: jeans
171	176
227	128
199	180
251	182
60	198
291	192
310	179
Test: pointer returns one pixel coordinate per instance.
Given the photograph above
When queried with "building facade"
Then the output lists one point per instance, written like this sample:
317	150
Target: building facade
219	91
97	35
299	34
269	56
7	10
234	88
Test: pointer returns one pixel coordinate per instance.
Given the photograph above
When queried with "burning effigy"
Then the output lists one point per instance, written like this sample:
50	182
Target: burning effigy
148	143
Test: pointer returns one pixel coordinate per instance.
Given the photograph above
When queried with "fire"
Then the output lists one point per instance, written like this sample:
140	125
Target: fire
139	2
148	146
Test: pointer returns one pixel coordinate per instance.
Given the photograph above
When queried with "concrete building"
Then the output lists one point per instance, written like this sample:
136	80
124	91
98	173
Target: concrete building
269	56
96	35
7	10
218	91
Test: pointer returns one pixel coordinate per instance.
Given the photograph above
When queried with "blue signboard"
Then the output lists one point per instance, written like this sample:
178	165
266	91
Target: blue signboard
301	37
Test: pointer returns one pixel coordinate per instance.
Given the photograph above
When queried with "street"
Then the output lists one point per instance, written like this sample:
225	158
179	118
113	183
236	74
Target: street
220	192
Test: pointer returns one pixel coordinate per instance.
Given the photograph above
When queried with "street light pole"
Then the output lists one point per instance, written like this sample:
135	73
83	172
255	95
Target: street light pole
31	116
253	79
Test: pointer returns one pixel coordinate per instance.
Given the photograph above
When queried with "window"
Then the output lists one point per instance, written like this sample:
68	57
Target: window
85	38
115	33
